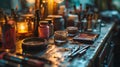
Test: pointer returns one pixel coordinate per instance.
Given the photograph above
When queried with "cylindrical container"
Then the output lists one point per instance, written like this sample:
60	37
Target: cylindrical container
96	26
9	35
72	20
43	29
58	22
51	26
84	25
72	30
60	36
89	23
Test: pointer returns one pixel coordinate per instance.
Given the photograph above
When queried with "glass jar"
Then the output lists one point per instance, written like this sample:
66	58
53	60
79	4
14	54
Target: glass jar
43	29
58	22
60	37
22	26
29	19
72	30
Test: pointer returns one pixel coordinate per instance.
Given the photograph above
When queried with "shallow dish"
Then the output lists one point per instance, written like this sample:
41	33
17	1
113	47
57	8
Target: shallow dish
86	37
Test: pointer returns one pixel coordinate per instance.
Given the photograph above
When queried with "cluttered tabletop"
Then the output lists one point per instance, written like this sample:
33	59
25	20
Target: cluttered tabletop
76	51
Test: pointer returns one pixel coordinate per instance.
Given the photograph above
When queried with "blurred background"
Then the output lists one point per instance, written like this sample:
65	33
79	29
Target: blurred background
24	4
109	10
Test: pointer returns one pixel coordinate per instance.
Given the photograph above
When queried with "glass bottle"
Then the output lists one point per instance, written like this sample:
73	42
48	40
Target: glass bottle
9	34
89	23
36	22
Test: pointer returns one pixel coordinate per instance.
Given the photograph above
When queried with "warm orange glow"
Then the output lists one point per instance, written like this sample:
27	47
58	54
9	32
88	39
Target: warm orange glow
31	1
58	1
32	26
0	31
7	50
19	47
50	6
2	21
44	1
22	27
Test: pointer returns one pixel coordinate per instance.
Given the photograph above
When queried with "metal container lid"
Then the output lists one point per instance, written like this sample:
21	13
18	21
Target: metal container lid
43	22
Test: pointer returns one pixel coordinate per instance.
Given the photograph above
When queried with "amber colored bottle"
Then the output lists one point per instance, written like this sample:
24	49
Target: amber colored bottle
89	23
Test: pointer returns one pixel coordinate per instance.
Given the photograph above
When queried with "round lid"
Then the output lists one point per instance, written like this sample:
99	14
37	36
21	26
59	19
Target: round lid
47	19
72	28
31	41
43	22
